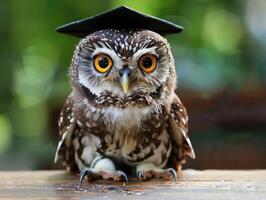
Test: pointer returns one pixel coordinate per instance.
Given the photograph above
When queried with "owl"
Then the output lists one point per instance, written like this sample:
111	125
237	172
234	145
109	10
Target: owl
123	115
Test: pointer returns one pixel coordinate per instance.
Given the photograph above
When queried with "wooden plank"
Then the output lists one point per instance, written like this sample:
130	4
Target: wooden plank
192	184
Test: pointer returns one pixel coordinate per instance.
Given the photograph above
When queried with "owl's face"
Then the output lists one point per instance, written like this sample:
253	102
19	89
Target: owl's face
122	65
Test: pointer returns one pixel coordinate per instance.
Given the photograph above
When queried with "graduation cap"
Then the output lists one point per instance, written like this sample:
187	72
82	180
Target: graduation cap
119	18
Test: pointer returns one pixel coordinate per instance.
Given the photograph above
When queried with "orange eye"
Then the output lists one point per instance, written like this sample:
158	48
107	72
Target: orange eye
147	63
102	63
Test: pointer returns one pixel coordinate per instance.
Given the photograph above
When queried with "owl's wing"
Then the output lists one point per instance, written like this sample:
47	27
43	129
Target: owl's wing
178	121
67	126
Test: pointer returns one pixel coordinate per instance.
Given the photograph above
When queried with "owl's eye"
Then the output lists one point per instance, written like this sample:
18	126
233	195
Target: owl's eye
147	63
102	62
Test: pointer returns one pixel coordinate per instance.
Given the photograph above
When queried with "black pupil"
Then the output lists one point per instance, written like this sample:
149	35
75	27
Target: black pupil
147	62
103	62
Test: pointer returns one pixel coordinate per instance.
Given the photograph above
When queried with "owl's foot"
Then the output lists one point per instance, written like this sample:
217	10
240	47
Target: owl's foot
115	175
102	168
147	172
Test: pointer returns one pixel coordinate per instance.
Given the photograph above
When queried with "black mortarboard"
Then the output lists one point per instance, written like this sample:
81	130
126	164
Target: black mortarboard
119	18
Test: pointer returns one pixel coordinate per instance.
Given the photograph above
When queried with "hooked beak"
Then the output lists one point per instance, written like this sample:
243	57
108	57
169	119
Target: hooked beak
124	82
125	73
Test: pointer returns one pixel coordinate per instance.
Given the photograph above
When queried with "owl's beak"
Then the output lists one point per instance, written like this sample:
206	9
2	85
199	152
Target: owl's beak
124	82
125	73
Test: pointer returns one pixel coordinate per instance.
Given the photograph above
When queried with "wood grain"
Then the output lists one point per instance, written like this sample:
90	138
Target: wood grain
192	184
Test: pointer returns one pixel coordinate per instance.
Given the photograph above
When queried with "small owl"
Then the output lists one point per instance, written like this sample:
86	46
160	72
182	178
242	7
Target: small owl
123	115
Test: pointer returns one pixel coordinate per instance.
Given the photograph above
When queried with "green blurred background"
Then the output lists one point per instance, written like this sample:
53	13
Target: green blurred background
220	60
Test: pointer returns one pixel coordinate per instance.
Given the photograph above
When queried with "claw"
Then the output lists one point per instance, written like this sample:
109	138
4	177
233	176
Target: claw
83	174
173	173
140	175
123	174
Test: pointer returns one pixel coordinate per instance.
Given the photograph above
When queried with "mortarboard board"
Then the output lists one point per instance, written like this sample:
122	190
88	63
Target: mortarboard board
119	18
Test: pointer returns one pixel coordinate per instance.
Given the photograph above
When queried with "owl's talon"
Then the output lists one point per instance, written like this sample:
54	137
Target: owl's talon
172	172
145	175
140	175
123	175
85	172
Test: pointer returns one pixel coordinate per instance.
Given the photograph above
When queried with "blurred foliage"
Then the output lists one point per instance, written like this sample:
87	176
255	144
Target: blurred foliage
223	46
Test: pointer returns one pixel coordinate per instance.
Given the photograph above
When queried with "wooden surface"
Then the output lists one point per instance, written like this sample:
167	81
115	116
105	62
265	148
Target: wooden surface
208	184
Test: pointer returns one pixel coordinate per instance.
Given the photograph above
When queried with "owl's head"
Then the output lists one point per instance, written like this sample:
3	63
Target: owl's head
121	68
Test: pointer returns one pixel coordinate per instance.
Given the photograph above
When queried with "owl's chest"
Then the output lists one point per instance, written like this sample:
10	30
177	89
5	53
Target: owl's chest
137	145
131	136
